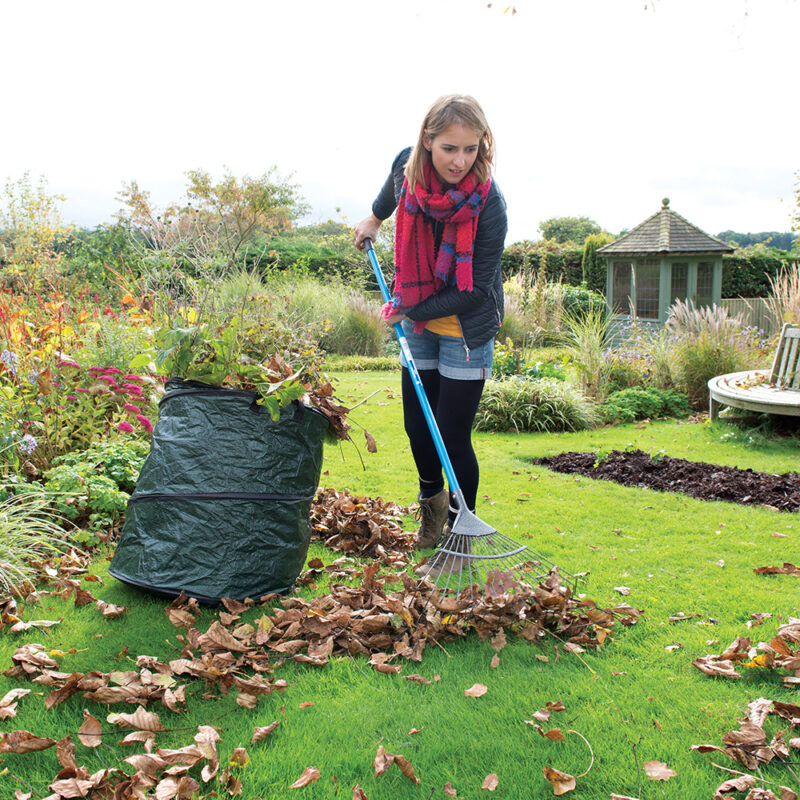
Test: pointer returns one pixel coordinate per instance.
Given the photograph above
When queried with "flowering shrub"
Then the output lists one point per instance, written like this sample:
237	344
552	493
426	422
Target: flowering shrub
67	407
52	404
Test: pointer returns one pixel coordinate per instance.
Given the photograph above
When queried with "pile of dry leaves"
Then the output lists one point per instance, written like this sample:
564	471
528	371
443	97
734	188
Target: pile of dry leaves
361	526
750	747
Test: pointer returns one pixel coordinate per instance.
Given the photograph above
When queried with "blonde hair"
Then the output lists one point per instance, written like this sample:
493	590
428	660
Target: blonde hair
452	109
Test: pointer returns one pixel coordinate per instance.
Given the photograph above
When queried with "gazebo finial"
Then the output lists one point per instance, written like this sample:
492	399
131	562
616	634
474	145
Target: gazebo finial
665	202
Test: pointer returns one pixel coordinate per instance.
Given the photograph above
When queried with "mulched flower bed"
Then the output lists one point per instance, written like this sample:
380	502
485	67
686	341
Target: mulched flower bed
695	478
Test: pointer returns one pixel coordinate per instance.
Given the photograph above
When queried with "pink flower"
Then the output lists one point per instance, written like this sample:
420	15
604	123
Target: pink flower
108	379
78	389
125	427
112	371
133	409
132	378
132	387
146	424
71	397
95	369
68	364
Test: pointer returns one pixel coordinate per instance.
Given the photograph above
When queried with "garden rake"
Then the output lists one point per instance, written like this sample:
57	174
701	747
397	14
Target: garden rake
473	553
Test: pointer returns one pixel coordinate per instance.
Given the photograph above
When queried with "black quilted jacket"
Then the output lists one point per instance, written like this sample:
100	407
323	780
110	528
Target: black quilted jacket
480	312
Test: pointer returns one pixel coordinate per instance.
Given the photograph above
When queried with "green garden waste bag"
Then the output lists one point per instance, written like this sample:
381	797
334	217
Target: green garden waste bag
221	507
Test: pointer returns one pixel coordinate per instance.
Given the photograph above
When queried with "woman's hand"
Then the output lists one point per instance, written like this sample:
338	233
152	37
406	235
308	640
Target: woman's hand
366	229
394	319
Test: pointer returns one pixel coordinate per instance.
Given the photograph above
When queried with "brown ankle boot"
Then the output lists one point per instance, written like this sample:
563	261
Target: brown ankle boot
433	515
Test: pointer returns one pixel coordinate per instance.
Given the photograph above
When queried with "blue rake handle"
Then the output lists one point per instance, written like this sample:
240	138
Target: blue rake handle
438	442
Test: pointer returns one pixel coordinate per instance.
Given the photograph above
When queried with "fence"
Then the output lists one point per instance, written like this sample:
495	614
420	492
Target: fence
754	311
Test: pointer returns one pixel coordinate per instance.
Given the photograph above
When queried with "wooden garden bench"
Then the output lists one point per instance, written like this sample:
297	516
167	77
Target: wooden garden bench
775	391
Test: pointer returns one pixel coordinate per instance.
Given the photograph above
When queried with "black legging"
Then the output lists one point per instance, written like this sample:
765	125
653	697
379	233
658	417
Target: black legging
454	404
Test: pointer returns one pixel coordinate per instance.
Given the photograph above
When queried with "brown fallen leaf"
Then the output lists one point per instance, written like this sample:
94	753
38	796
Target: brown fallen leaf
658	771
712	665
382	761
786	569
307	704
262	733
90	730
140	719
310	775
495	663
83	597
405	767
21	626
151	765
358	793
23	742
740	784
476	690
371	446
554	734
206	739
449	790
622	797
561	782
235	606
109	610
416	678
8	703
65	754
490	782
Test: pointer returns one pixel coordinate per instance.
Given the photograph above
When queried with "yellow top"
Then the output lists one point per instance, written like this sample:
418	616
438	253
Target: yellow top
445	326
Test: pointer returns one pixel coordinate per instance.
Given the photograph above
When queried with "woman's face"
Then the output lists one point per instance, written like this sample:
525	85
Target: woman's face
453	152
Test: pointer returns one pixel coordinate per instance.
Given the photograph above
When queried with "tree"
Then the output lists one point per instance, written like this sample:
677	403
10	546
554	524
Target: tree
780	241
569	229
592	267
219	219
238	210
31	221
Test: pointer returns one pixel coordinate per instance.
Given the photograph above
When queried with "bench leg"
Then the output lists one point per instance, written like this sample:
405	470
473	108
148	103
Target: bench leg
713	408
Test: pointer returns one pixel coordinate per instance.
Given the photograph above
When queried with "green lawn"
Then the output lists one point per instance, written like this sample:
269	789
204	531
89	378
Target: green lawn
637	699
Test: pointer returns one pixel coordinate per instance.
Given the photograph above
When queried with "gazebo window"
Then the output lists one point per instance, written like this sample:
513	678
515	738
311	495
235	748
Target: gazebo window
705	282
647	280
621	288
679	281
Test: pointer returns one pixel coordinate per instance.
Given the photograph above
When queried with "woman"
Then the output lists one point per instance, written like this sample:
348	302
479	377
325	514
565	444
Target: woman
448	290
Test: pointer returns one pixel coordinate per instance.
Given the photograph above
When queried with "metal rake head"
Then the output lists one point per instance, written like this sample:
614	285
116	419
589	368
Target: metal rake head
474	554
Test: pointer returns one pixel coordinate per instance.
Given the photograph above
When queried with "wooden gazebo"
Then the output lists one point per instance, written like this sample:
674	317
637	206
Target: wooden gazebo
663	259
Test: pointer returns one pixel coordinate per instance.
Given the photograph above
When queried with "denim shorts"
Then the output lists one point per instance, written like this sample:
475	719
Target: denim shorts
448	354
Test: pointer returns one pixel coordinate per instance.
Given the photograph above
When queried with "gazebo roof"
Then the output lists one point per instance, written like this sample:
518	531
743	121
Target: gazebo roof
665	233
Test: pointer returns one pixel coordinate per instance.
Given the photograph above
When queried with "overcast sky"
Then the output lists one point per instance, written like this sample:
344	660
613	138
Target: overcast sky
599	107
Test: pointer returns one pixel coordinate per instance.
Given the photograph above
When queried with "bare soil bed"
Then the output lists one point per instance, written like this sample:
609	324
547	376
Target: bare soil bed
695	478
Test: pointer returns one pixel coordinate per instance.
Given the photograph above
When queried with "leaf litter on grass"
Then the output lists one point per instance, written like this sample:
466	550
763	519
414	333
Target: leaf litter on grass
364	619
749	746
781	652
